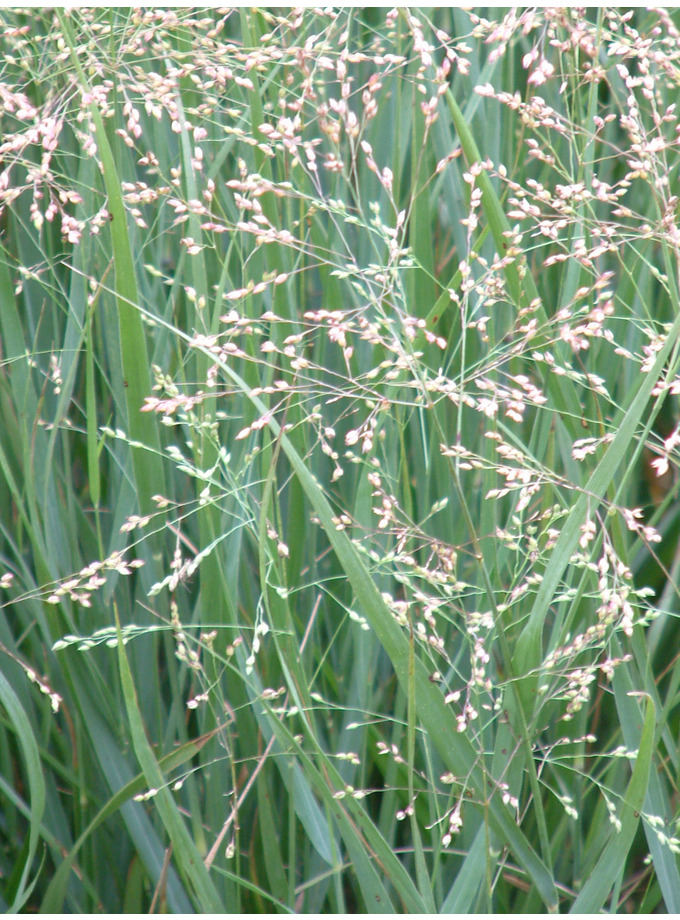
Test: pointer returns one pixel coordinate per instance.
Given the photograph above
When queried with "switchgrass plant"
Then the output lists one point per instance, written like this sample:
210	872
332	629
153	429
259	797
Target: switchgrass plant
339	453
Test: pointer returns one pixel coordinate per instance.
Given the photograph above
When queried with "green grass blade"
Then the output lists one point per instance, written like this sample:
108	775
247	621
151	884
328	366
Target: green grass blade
611	864
456	750
149	473
53	901
529	645
422	875
270	845
659	799
34	774
470	879
190	863
307	775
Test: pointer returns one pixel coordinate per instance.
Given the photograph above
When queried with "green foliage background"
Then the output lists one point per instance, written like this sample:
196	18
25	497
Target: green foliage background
338	494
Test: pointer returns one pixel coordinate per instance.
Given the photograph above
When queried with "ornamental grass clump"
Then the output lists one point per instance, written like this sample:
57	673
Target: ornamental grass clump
338	470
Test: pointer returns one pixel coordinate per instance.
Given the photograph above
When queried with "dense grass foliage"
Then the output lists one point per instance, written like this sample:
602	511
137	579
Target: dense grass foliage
339	513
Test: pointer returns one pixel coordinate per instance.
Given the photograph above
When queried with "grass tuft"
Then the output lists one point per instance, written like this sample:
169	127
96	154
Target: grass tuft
339	368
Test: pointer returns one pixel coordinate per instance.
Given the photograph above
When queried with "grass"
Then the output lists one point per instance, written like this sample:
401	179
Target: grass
338	466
